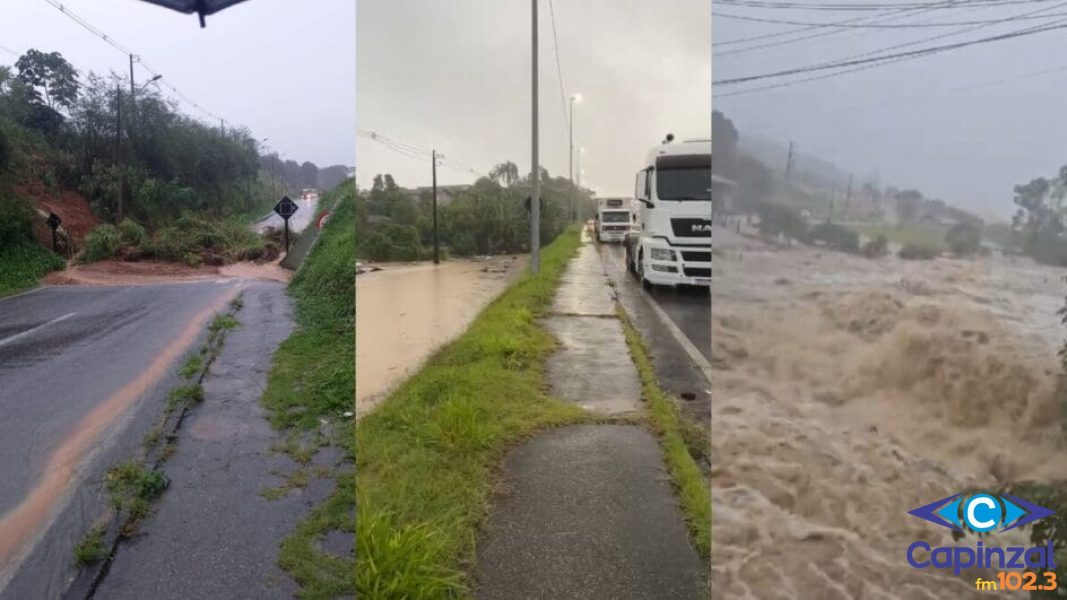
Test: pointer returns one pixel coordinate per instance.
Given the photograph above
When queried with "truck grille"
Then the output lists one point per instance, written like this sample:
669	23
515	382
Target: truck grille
696	256
693	272
616	227
691	227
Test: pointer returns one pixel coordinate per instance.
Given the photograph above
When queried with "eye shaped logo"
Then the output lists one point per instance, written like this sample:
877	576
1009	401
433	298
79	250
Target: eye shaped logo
981	512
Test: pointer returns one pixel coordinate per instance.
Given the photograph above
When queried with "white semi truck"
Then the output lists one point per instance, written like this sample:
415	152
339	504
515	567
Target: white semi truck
671	245
614	219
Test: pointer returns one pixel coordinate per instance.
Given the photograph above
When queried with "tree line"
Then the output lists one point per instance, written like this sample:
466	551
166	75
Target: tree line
491	216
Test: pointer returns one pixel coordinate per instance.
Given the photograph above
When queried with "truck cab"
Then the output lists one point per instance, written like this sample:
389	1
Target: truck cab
672	242
614	217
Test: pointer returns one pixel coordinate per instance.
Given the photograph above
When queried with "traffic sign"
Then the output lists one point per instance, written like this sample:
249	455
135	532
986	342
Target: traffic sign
286	208
54	221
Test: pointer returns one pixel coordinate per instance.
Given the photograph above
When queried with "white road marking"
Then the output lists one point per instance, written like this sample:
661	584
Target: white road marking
690	348
8	340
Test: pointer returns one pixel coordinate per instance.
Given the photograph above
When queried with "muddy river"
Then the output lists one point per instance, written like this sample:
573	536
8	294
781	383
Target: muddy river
406	312
848	391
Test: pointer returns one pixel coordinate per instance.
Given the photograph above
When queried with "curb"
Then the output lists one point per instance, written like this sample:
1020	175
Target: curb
89	577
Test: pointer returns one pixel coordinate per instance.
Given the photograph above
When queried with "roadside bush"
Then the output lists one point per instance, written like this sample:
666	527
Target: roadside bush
776	219
919	252
876	247
964	239
836	236
101	243
132	233
392	242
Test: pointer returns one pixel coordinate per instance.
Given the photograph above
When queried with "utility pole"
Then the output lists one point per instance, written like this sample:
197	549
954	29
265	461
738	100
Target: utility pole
535	172
436	247
789	162
118	150
848	195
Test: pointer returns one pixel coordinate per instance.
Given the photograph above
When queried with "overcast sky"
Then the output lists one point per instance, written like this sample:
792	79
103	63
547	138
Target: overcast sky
284	69
964	126
456	76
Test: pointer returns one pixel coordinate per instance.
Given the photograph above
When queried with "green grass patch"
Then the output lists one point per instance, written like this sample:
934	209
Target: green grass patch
683	444
91	547
425	456
223	322
184	394
192	366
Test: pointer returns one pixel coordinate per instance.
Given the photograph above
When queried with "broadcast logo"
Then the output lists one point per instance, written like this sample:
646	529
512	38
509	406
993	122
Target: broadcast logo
985	513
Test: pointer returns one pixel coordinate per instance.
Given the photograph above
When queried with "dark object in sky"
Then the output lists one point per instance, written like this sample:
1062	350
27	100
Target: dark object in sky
200	7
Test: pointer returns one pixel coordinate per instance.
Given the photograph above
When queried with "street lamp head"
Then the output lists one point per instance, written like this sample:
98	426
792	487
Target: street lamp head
156	78
576	98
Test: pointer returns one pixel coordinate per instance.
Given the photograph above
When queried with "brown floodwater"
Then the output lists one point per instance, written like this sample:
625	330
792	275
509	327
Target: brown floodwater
406	312
849	391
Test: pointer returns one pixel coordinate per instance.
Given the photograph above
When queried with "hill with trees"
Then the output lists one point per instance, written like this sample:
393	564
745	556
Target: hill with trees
94	151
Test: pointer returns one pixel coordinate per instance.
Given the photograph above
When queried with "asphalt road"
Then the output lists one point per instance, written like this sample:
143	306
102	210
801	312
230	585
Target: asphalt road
77	367
689	308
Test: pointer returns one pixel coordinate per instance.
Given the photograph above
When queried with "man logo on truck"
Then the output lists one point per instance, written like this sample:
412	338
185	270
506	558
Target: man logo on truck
701	228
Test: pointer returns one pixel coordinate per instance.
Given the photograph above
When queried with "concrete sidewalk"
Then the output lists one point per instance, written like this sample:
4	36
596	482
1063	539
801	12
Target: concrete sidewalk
212	534
588	511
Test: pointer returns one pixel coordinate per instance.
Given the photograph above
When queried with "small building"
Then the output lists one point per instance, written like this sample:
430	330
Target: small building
723	192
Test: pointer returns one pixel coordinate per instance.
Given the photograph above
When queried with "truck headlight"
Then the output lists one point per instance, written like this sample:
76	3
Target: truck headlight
662	254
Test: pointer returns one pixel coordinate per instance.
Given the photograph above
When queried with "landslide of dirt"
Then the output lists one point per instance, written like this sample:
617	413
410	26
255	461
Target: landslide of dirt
72	208
114	272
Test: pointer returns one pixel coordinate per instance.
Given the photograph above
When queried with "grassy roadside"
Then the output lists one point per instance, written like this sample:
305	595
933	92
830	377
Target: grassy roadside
22	265
683	443
311	382
425	457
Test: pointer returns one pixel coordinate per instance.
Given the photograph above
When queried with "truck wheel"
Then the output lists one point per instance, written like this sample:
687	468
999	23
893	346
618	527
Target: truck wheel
640	272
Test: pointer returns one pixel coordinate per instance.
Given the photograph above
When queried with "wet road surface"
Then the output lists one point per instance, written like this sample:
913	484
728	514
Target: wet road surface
689	308
689	311
212	534
297	222
77	365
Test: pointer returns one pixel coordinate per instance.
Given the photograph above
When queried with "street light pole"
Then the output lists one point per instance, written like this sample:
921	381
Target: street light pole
570	160
535	171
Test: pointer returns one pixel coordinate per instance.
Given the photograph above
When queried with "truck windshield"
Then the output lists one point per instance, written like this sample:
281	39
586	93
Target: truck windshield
615	216
692	183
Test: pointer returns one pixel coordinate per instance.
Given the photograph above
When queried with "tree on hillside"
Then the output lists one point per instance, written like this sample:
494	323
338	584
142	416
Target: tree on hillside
48	75
724	136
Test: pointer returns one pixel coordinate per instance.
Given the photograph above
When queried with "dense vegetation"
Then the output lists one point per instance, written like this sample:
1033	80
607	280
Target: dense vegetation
489	217
22	260
133	155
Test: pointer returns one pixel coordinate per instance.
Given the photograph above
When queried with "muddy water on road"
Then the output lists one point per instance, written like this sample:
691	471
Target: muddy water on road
405	313
848	392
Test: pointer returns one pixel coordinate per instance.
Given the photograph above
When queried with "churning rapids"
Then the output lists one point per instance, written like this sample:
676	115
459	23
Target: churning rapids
848	391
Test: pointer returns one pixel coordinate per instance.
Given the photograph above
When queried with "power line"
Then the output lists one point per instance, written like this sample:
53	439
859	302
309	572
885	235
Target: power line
123	49
414	152
902	55
9	51
856	6
559	70
833	31
845	25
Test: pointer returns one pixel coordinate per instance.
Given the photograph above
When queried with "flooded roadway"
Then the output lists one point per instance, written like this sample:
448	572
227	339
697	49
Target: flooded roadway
297	222
849	391
406	312
83	370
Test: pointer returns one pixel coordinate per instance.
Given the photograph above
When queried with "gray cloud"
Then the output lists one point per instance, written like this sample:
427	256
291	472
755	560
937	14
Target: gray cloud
456	76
